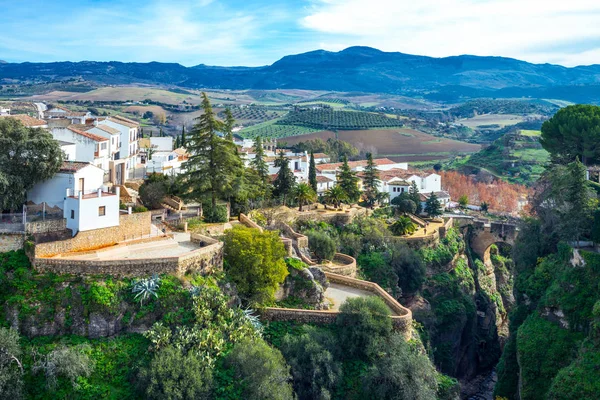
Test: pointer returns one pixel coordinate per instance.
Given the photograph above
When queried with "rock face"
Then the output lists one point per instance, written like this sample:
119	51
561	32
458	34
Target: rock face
307	285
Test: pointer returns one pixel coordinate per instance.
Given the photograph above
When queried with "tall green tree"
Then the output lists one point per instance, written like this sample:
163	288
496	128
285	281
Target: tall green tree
348	181
285	181
303	193
312	172
27	156
11	366
258	163
371	182
413	194
228	124
214	164
433	207
573	132
183	141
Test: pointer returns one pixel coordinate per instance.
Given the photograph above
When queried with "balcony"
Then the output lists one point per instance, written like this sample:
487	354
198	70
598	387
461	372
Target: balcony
92	194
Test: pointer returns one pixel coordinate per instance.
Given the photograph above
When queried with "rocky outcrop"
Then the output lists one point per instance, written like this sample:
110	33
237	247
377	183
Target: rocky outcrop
307	285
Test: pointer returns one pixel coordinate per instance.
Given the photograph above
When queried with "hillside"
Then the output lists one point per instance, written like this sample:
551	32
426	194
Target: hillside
353	69
517	157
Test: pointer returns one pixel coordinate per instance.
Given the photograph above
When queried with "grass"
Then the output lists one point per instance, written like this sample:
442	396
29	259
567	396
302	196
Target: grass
492	119
525	132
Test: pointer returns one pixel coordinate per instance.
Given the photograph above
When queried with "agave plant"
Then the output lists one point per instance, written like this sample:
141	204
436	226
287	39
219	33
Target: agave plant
253	319
146	288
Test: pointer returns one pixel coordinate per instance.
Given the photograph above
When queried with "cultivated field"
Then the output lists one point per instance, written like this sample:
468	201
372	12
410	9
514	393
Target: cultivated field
140	110
492	119
399	144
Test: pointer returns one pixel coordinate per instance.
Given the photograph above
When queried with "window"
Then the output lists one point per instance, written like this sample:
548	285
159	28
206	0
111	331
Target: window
103	146
72	214
101	211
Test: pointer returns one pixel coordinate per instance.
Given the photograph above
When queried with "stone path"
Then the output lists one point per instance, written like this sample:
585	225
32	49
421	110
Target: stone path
337	294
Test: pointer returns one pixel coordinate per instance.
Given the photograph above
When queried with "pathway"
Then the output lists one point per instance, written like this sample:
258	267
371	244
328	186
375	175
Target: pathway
337	294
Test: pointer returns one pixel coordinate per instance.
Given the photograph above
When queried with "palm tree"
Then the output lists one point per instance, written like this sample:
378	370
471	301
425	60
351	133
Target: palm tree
403	226
336	195
304	193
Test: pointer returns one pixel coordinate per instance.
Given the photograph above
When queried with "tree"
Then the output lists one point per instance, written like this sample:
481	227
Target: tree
152	194
303	193
463	201
177	142
322	245
408	266
363	321
403	226
413	193
183	141
173	375
375	268
400	372
311	356
371	182
573	132
348	181
285	181
228	124
11	367
68	362
214	163
404	204
160	119
484	206
433	207
335	196
254	261
27	156
258	163
312	172
259	371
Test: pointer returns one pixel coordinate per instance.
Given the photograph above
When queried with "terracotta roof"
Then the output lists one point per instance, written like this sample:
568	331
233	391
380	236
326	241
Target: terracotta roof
180	151
124	121
144	143
323	179
317	156
355	164
26	120
107	129
73	166
87	134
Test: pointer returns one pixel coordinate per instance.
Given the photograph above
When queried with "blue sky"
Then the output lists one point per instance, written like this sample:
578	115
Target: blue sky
258	32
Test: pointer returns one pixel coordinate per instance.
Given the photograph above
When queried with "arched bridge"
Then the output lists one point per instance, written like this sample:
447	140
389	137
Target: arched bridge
484	234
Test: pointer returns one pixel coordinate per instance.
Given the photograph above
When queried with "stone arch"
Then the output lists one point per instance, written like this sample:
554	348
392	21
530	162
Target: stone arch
484	236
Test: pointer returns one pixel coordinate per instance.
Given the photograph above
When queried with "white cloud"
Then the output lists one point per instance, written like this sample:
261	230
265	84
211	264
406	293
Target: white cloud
512	28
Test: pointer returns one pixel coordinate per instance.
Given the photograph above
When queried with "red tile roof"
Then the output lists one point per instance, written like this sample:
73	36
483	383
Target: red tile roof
73	166
87	134
26	120
355	164
323	179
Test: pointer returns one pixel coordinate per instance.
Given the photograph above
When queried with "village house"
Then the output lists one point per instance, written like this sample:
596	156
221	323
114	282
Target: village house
75	117
128	141
89	147
28	121
158	155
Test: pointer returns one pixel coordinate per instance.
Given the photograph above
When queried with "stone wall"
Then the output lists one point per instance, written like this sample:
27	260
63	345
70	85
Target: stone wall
402	320
11	241
131	226
342	265
52	225
244	220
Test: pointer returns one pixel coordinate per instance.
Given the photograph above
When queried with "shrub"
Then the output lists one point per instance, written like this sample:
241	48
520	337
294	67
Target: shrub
139	209
153	193
322	245
363	321
145	288
254	261
259	371
316	373
173	375
11	370
408	267
216	214
68	362
376	268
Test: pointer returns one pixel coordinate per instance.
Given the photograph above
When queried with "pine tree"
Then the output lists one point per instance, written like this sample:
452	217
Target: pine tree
371	181
183	142
228	124
214	164
161	133
285	181
413	194
312	172
348	181
433	208
258	163
177	141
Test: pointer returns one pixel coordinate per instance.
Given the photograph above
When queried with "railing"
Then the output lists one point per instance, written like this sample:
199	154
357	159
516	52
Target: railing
12	222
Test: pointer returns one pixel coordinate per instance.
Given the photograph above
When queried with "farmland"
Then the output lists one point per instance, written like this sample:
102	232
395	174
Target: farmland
271	129
501	120
398	144
330	119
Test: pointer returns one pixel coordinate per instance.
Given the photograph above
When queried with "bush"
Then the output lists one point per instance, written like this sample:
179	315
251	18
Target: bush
139	209
404	204
172	375
68	362
216	214
400	372
314	368
408	267
152	194
11	373
259	371
254	261
375	268
363	322
322	245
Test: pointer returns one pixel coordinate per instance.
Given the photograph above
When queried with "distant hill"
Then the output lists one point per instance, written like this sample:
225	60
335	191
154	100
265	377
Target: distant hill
353	69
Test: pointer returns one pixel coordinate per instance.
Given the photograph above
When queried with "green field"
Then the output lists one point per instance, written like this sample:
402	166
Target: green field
342	120
530	133
272	129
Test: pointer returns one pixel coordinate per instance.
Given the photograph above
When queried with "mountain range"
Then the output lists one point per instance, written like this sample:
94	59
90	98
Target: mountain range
361	69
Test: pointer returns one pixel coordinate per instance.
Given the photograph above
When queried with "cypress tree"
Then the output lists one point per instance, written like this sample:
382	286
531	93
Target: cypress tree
413	194
312	172
432	206
214	164
258	163
228	124
348	181
285	181
371	181
183	142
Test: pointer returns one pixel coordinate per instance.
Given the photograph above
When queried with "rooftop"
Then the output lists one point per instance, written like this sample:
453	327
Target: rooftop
323	179
124	121
73	166
355	164
106	129
88	135
26	120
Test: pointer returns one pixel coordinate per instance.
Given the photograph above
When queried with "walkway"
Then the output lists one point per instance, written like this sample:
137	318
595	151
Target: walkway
337	294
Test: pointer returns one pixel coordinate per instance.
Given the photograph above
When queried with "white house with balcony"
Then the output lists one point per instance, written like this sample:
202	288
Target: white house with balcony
89	147
129	131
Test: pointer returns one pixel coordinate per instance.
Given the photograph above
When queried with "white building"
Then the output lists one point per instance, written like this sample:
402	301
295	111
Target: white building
129	130
76	117
90	148
69	150
324	184
4	111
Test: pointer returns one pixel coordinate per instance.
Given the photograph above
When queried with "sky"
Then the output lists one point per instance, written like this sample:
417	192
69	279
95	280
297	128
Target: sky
259	32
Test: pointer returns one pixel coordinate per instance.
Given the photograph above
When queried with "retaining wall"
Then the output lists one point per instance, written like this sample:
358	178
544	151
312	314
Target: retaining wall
342	264
131	226
53	225
245	220
11	241
402	321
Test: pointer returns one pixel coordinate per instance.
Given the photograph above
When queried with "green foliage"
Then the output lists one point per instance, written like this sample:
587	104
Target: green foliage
463	200
322	245
11	370
433	207
312	172
330	119
335	196
146	288
400	372
215	214
295	263
543	349
27	156
580	379
254	261
71	363
363	321
370	182
348	181
259	371
304	193
445	251
174	375
314	368
374	266
285	181
409	268
154	190
404	205
363	235
403	226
